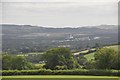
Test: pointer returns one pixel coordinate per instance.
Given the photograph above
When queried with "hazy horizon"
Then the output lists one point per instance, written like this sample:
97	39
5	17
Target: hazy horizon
60	14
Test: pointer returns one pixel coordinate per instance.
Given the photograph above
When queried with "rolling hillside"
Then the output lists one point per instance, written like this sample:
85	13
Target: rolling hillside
28	38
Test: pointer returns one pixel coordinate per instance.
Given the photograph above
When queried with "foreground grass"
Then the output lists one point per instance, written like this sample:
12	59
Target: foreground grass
59	77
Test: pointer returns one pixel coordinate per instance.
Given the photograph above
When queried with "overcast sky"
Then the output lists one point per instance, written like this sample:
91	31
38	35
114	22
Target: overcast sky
60	13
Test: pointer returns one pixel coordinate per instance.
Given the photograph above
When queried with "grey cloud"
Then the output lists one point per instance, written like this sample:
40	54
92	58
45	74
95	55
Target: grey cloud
60	14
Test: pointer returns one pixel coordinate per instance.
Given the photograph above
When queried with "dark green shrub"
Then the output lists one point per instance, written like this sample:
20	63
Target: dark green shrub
61	72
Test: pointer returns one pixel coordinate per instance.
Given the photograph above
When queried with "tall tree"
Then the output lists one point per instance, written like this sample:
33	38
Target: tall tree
19	63
10	62
105	58
6	62
60	57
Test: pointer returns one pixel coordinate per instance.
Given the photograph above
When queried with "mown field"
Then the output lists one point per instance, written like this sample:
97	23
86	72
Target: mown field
59	77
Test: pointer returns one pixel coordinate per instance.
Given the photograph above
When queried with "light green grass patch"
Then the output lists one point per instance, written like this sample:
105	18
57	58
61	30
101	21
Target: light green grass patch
89	56
59	77
115	47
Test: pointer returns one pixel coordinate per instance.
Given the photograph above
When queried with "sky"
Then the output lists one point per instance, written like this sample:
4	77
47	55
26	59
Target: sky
59	13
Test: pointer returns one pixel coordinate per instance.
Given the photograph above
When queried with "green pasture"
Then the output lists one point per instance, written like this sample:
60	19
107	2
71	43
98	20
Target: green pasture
115	47
89	56
32	53
59	77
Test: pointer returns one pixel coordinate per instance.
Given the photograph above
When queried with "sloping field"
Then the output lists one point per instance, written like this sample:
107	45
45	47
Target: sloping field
91	55
115	47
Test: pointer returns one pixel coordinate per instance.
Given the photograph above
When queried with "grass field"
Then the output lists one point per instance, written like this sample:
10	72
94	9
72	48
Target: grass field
91	55
115	47
59	77
34	53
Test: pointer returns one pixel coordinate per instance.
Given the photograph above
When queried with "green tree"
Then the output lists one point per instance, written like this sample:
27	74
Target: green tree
10	62
105	58
82	60
6	62
60	57
34	58
90	64
116	61
18	63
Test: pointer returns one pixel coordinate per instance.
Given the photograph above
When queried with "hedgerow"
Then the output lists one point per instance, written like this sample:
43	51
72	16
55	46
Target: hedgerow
61	72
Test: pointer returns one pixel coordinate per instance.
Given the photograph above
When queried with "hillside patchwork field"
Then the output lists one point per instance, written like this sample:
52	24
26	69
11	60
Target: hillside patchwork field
91	55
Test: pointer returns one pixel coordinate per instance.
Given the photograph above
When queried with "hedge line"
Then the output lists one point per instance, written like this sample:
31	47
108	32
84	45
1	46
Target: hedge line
61	72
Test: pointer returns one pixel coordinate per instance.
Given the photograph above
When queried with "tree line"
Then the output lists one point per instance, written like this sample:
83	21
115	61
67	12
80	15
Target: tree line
63	59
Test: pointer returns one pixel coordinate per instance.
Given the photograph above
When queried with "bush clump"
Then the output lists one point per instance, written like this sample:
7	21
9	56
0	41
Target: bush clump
61	72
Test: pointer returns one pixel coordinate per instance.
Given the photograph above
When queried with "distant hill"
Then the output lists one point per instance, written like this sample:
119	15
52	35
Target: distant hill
28	38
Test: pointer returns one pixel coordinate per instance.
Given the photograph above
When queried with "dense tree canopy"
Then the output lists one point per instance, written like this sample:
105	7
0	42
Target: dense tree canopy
14	62
60	57
106	58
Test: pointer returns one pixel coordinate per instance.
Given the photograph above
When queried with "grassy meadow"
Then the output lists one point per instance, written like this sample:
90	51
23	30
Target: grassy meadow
59	77
91	55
